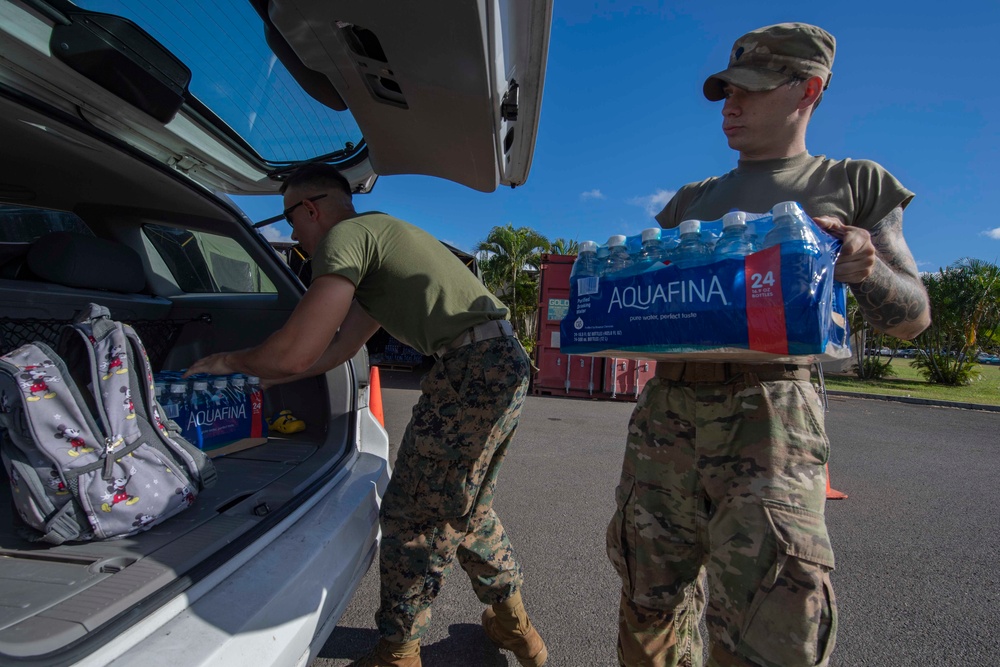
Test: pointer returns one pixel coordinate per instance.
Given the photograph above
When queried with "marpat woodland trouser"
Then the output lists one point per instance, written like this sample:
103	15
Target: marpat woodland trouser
438	505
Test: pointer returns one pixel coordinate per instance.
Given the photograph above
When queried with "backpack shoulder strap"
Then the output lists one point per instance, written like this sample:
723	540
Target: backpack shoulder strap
199	465
107	351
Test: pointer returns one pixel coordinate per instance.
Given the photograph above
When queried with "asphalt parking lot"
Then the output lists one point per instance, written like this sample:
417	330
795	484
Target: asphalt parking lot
917	541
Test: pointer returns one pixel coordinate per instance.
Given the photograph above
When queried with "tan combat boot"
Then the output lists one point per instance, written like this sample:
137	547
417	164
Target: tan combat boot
391	654
508	627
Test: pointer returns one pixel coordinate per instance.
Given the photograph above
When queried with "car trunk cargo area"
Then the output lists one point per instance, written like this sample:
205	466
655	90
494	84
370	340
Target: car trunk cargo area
54	596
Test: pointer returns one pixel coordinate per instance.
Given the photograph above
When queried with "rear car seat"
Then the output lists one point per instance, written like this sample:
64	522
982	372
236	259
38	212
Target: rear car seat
86	262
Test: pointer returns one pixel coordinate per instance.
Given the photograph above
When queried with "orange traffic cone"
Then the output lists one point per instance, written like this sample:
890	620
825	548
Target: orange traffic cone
375	396
832	494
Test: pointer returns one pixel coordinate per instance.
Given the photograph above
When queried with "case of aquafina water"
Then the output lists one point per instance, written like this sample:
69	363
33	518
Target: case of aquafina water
216	413
746	287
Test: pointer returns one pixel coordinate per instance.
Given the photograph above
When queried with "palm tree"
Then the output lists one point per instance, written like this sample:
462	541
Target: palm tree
504	256
565	247
986	311
965	308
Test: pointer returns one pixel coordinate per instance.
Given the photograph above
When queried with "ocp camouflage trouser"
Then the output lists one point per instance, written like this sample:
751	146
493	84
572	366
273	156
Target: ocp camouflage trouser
725	479
438	505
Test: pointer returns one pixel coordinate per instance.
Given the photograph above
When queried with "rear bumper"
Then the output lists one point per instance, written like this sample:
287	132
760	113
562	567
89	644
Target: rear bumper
276	605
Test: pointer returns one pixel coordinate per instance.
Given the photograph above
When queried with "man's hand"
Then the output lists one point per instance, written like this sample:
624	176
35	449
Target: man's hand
880	269
213	364
858	255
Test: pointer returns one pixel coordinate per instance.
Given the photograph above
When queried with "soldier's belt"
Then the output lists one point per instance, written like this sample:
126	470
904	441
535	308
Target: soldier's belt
702	372
484	331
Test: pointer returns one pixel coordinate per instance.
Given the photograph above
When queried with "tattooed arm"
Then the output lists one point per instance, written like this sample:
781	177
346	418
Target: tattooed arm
881	272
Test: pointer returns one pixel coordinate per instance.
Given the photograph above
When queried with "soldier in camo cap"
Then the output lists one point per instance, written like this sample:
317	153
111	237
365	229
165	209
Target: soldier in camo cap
766	58
720	507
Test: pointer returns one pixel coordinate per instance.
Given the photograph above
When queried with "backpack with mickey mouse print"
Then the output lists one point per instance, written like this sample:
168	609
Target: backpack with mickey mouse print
88	455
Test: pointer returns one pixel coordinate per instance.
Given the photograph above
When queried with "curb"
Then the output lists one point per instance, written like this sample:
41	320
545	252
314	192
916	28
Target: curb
916	401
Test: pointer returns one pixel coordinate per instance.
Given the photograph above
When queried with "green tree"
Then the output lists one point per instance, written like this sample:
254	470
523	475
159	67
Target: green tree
965	311
565	247
510	258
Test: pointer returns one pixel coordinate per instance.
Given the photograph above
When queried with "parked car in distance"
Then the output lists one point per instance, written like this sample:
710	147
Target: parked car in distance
127	125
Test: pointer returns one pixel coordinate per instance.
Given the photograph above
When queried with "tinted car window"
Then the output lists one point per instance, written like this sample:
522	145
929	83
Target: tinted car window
202	262
24	224
235	74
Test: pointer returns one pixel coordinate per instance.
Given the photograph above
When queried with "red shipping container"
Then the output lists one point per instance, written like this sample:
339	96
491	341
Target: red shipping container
625	379
576	375
559	373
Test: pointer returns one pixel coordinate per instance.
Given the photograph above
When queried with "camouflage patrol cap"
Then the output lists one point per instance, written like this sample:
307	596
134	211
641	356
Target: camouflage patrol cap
768	57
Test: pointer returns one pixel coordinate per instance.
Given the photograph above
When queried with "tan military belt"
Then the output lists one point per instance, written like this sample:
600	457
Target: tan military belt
484	331
694	372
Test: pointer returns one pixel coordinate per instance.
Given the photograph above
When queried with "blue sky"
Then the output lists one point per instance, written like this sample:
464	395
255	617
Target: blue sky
624	123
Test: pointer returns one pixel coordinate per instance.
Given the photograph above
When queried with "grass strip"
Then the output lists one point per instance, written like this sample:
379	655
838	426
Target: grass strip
908	382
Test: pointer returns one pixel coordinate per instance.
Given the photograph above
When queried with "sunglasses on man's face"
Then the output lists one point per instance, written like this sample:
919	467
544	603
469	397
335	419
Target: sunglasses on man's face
288	211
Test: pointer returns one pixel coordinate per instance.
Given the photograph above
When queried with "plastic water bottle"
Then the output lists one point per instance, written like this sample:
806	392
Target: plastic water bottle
258	425
799	243
220	391
602	258
691	251
791	230
651	251
586	265
586	269
201	403
177	400
734	242
618	258
201	398
238	387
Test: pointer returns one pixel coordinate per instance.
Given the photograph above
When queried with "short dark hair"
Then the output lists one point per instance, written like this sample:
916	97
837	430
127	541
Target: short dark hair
317	175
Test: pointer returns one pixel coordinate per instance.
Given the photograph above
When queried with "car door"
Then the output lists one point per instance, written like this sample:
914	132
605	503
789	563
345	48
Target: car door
235	93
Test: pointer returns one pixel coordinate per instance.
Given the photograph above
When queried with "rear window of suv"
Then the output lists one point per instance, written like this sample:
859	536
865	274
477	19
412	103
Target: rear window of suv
236	75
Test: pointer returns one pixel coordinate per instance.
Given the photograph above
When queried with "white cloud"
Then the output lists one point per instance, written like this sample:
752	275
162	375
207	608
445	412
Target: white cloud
992	233
655	202
272	233
592	194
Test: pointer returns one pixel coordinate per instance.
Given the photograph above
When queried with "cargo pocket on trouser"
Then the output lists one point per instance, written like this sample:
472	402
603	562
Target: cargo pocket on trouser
430	488
617	542
650	544
792	620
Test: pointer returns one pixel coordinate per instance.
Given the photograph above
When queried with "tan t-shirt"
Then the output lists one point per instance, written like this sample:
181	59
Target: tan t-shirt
858	192
406	279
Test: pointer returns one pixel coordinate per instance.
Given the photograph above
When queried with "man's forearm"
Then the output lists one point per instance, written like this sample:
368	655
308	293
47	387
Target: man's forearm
893	299
257	361
893	303
336	354
358	328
